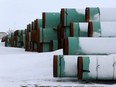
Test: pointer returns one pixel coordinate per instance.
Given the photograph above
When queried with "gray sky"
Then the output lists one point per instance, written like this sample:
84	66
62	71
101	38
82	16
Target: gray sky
16	14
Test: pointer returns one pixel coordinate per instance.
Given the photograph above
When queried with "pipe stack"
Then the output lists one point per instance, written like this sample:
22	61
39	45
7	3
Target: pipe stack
89	50
87	37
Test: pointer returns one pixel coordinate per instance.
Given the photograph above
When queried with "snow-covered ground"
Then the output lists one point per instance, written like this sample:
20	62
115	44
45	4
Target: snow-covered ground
31	69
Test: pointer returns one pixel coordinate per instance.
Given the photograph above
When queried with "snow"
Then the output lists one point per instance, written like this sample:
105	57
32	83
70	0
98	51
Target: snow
19	68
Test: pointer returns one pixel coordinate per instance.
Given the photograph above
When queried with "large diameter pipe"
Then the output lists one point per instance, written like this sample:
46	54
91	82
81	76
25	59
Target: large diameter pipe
83	45
87	67
54	45
28	36
74	30
100	14
79	29
23	40
65	66
71	15
92	29
38	35
44	47
97	67
50	19
102	29
49	34
37	24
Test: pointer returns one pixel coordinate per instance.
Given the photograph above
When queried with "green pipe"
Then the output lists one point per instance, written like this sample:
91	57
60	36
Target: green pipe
86	62
46	47
30	27
93	12
71	15
41	34
94	29
19	32
12	34
39	22
74	29
84	45
96	67
49	34
50	19
29	36
54	44
70	46
67	32
58	64
23	41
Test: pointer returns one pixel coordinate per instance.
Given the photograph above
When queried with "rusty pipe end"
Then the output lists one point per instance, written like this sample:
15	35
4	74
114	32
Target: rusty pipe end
62	17
80	67
55	66
87	14
43	19
51	45
65	46
71	30
90	29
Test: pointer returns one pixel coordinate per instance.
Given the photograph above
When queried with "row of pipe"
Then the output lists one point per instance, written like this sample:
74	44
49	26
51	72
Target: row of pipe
61	23
92	46
15	39
86	67
81	33
88	46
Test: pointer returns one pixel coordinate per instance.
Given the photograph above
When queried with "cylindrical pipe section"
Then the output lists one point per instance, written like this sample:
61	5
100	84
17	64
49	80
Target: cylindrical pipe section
33	25
64	66
38	23
44	47
71	15
49	34
83	45
100	14
97	67
53	45
30	27
102	29
39	35
27	41
83	29
50	19
74	30
93	29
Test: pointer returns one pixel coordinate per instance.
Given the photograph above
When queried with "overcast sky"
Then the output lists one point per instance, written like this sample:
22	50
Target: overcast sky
16	14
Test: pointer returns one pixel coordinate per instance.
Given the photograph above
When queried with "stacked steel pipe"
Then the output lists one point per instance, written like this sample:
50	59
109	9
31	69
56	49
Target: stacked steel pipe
67	17
48	40
89	50
15	39
85	67
81	33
